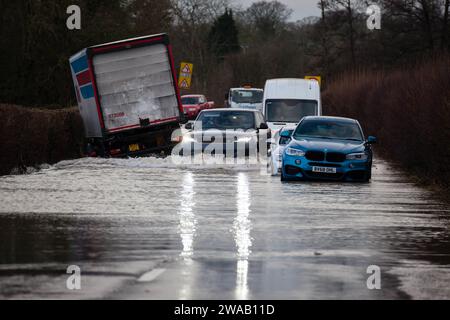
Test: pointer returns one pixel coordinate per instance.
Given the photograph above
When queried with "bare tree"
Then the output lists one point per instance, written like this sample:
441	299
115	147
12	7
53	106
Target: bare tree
323	5
445	25
268	17
426	14
192	21
197	12
150	16
350	8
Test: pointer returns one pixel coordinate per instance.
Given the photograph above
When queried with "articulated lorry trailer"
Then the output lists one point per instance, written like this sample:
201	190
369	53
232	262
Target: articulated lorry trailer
128	96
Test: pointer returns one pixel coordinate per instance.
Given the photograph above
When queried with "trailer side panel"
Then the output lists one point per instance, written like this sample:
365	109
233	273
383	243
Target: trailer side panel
84	90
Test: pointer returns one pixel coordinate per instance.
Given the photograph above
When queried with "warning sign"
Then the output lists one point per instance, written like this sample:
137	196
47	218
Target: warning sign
184	84
185	79
186	69
317	78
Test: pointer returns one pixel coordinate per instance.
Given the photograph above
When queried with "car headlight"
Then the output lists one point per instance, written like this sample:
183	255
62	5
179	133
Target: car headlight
295	152
244	140
357	156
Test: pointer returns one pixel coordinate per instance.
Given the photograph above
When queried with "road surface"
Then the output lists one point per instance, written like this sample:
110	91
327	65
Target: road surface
149	229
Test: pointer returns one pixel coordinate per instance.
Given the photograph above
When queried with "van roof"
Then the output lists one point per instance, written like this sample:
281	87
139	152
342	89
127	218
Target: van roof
290	88
248	89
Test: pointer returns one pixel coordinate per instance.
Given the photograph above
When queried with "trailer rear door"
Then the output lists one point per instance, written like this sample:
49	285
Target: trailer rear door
135	86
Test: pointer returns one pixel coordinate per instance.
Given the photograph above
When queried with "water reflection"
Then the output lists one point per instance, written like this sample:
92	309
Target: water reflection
187	230
242	228
187	216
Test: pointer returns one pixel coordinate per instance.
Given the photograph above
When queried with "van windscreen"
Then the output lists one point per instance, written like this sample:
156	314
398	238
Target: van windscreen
279	110
247	96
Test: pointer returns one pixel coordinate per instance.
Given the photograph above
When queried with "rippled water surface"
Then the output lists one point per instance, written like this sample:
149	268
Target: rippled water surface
218	232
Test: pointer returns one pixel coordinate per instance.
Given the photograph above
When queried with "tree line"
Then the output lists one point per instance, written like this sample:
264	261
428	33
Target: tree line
229	45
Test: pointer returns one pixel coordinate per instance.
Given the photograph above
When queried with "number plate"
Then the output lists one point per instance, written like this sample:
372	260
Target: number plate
133	147
324	170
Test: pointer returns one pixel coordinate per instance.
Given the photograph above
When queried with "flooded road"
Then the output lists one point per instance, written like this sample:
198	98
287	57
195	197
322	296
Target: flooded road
148	229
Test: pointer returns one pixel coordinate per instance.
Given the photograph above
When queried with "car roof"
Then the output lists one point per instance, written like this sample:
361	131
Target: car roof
192	95
231	110
328	118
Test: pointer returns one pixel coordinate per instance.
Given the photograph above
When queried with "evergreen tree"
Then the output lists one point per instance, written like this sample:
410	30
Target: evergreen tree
223	37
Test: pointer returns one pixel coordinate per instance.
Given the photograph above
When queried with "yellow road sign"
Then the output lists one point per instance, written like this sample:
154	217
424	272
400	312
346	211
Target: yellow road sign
317	78
185	79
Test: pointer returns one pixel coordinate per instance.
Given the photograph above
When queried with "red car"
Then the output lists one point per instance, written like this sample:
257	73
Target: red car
193	104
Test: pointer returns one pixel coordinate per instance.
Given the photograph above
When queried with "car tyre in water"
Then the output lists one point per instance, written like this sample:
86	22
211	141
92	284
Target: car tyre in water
368	175
270	166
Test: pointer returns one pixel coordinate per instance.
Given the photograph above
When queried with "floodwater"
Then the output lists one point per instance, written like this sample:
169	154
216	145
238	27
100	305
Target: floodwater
150	229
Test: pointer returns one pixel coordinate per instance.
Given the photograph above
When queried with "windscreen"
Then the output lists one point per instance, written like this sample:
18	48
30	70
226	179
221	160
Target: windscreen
190	100
223	120
328	130
247	96
290	110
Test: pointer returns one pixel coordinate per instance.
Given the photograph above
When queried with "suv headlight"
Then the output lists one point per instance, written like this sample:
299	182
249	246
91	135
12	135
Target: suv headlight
357	156
295	152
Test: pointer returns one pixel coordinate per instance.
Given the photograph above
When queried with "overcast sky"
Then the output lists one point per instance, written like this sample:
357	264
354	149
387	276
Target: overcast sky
302	8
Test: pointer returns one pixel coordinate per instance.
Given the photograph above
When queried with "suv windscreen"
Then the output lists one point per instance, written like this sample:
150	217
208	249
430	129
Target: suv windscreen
223	120
328	130
285	110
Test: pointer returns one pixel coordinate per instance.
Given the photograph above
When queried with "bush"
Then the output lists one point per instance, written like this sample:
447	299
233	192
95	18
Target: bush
34	136
407	109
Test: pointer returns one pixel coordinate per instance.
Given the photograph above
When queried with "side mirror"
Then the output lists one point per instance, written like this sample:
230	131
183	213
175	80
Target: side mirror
263	126
285	134
372	140
189	126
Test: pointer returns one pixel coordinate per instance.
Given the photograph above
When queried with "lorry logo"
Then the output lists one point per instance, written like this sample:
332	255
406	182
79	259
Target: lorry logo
81	70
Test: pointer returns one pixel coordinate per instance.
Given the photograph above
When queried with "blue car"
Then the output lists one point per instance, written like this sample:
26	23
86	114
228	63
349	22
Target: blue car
328	148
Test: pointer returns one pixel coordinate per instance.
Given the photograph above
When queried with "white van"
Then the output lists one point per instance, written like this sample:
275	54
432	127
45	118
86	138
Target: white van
245	98
287	101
